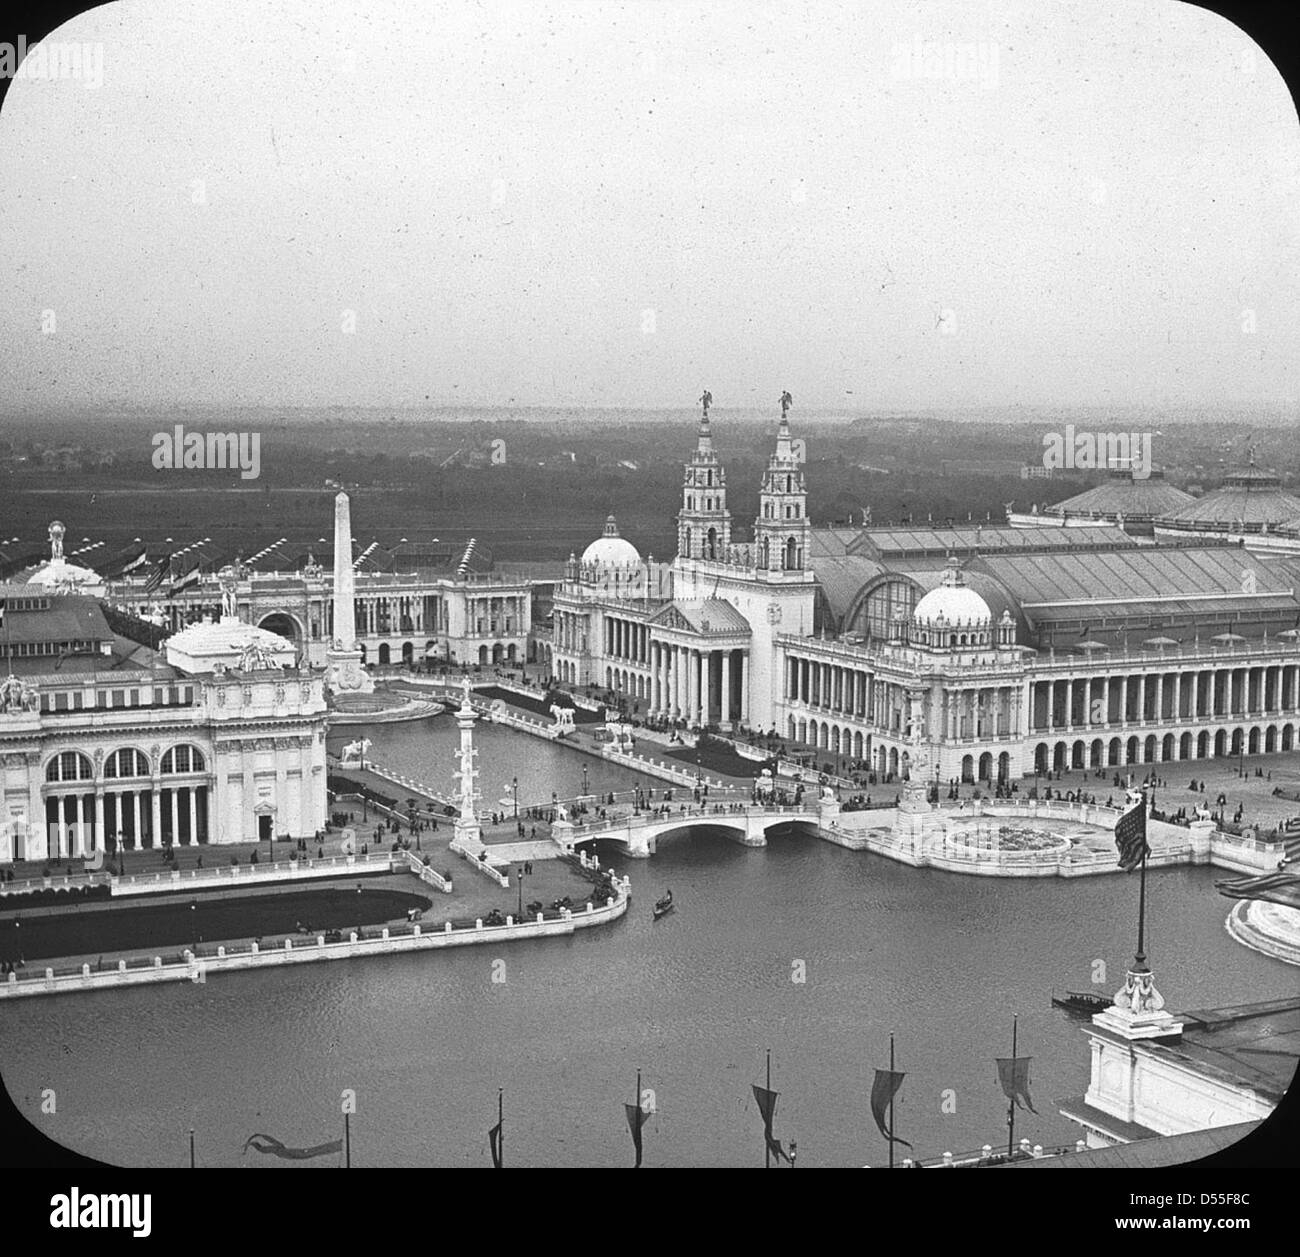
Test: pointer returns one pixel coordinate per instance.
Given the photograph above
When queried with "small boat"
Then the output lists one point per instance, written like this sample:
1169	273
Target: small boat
663	906
1082	1001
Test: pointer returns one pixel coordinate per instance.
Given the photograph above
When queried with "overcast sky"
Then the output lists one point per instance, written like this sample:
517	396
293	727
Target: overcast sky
619	204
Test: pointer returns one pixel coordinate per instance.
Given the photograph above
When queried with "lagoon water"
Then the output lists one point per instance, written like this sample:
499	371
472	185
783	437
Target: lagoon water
941	960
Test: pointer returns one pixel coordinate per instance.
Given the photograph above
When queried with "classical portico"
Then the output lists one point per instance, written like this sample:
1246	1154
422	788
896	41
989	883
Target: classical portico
698	658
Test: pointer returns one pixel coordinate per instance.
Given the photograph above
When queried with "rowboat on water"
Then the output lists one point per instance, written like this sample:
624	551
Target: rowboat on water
1082	1001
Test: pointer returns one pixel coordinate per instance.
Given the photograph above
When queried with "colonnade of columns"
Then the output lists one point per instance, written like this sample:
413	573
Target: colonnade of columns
77	822
829	686
486	614
1185	695
700	686
627	640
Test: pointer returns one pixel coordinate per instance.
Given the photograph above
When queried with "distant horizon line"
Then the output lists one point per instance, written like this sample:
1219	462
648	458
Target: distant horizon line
1207	411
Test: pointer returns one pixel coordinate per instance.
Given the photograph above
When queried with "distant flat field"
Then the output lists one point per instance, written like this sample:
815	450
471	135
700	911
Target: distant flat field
246	520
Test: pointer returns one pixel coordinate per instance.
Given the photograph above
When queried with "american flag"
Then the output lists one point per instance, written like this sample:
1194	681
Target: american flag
1131	836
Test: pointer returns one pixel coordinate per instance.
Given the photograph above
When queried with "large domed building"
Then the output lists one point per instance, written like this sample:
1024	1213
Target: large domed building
1132	503
611	550
1250	502
613	566
953	603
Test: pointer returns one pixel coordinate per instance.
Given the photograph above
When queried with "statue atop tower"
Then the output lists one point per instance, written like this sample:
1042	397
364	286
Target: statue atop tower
704	523
782	531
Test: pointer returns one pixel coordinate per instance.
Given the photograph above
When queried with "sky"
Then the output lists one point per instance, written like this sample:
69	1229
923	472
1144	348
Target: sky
885	205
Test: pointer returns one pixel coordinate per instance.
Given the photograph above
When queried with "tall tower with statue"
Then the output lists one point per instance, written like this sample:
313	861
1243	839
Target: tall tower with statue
704	523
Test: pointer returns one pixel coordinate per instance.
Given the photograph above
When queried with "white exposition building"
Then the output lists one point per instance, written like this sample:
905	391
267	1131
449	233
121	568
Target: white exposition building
1030	648
415	602
217	740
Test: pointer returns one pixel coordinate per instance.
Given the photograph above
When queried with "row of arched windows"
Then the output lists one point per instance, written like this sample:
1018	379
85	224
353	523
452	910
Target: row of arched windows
126	762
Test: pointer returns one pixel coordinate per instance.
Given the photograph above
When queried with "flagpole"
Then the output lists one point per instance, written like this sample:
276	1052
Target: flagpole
892	1129
1011	1107
767	1150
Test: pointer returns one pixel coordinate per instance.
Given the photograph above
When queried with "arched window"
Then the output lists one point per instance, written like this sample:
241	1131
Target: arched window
183	759
128	762
69	766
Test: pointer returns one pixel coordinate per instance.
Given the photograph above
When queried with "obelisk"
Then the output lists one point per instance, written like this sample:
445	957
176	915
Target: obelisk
346	672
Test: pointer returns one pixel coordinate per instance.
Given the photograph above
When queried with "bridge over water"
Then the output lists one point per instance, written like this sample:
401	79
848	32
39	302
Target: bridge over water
638	834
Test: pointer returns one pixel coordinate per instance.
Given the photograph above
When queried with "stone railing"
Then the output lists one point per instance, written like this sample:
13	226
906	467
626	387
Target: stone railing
427	874
481	865
657	768
407	783
695	812
215	877
987	1155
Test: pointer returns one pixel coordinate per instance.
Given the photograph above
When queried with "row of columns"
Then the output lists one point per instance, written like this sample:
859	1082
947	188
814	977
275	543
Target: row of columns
385	617
830	686
1086	702
1155	748
685	680
627	640
495	614
981	712
570	633
975	712
84	817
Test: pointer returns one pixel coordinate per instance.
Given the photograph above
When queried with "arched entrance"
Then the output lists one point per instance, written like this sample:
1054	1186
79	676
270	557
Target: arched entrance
282	623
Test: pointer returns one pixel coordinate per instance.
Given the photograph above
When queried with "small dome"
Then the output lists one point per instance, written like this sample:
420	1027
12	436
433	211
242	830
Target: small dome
953	601
60	576
611	550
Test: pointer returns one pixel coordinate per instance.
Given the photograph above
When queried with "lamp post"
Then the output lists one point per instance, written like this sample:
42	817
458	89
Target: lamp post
519	877
514	785
584	780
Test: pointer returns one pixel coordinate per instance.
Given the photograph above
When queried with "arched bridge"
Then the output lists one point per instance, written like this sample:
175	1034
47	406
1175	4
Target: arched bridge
749	824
